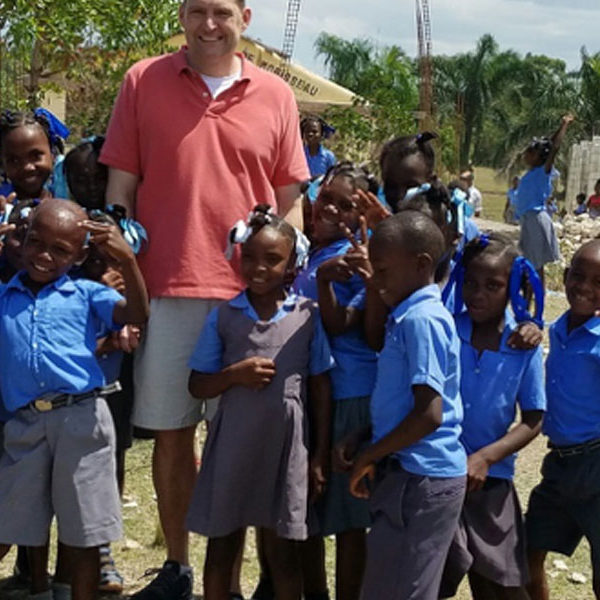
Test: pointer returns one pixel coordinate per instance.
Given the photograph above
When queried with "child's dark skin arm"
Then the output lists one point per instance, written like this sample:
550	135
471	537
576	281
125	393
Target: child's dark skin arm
527	336
319	411
255	372
336	318
345	451
135	308
557	139
518	437
423	419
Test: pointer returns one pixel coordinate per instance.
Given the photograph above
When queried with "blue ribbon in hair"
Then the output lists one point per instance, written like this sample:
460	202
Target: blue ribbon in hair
463	209
134	232
416	191
521	269
57	128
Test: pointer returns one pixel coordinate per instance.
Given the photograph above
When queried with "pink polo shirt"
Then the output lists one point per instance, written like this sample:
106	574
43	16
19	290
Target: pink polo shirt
203	164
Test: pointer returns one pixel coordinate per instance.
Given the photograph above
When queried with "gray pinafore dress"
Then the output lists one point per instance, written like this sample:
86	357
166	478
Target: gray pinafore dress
255	463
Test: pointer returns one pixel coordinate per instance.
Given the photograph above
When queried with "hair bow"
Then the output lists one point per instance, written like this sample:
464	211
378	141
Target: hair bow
56	127
238	234
302	249
135	233
416	191
523	268
463	208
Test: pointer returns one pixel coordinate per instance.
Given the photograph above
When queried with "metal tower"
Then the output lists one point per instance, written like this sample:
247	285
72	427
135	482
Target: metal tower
291	26
425	66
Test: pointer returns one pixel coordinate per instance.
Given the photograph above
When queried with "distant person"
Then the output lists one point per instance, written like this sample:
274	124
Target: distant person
593	203
551	206
581	207
314	130
511	201
538	239
475	197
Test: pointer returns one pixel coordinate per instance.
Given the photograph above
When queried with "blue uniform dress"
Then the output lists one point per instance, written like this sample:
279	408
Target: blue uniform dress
490	538
47	345
417	500
255	463
538	240
564	507
352	382
321	162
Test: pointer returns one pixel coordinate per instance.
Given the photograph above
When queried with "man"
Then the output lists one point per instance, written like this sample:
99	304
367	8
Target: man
196	139
475	198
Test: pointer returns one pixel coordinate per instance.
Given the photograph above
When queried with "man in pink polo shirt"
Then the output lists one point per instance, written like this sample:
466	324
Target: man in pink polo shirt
197	138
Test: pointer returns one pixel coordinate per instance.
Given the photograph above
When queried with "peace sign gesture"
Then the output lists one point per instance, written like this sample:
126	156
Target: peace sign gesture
357	257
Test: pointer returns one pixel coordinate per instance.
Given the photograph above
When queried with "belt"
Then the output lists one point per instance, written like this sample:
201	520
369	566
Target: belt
563	451
50	402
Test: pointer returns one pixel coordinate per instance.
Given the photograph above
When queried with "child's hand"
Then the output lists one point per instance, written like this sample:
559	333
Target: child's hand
335	269
358	256
568	119
129	338
4	200
109	241
362	469
113	279
255	372
477	471
343	453
371	208
527	336
317	477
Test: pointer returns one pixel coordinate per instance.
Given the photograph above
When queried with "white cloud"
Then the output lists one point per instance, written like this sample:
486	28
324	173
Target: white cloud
552	27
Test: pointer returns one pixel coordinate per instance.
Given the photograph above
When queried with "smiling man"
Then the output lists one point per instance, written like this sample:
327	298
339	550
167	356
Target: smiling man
197	138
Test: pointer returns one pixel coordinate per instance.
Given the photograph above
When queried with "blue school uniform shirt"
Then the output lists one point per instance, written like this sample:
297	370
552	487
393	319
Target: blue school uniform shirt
48	341
512	194
492	383
572	376
321	162
534	189
355	363
421	348
208	353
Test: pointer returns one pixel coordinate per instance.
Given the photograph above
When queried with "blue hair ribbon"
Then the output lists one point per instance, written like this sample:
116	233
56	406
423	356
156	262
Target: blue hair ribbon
135	233
416	191
523	268
463	209
57	128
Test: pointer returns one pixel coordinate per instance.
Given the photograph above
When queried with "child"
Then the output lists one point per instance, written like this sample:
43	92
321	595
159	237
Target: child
593	203
511	201
416	414
319	158
489	543
26	154
564	507
51	380
538	240
341	296
86	176
265	351
581	207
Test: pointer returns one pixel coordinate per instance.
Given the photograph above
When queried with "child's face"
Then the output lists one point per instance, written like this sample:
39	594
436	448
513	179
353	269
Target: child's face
266	257
54	243
532	158
400	176
336	204
395	271
27	160
485	288
87	180
582	283
313	134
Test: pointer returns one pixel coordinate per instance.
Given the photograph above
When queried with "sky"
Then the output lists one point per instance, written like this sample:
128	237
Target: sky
557	28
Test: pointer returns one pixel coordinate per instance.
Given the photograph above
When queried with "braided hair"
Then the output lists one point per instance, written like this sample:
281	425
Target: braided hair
401	147
262	216
13	119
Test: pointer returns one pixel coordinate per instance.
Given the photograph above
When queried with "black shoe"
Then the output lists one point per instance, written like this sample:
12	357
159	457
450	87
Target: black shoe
264	590
169	584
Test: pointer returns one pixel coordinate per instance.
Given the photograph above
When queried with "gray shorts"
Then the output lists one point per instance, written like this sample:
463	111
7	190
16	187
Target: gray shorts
565	506
161	372
489	540
414	519
60	463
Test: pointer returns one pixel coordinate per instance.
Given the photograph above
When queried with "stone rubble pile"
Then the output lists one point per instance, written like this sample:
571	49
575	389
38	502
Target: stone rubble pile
574	231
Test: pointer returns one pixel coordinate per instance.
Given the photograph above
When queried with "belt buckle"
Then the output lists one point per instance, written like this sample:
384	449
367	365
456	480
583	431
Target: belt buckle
42	405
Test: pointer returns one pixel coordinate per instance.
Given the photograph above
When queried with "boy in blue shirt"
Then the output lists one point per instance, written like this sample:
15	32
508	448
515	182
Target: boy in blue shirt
565	506
416	414
62	431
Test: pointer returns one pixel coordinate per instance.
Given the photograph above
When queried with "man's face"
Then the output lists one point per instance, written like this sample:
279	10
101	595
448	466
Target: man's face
213	27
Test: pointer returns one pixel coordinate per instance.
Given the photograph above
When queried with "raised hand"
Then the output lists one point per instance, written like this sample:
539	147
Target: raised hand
357	257
335	269
109	240
369	206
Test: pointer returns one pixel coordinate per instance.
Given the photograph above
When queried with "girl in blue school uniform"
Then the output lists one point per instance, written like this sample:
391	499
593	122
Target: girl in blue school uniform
489	544
314	130
341	295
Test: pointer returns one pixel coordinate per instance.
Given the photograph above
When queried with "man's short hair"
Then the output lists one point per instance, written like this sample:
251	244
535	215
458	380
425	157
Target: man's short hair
241	3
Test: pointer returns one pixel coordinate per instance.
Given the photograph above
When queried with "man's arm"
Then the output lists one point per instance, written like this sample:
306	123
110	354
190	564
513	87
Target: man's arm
122	189
289	204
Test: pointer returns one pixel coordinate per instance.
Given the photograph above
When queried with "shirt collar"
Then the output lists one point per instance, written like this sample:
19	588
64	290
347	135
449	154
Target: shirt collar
242	302
424	294
464	326
181	64
63	284
592	325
